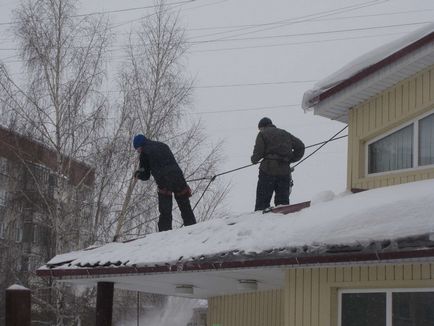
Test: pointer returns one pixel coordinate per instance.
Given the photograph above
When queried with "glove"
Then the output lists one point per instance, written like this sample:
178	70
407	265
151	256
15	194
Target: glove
140	174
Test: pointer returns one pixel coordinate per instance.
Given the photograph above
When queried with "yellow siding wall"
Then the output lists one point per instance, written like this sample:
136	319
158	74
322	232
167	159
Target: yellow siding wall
311	295
253	309
403	102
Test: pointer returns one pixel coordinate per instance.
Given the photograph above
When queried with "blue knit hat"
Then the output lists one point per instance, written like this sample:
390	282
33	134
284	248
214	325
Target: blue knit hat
139	141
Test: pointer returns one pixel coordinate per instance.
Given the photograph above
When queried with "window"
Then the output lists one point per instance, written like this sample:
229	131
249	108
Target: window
2	230
409	147
36	234
363	309
36	177
394	307
3	165
2	197
426	140
393	152
18	233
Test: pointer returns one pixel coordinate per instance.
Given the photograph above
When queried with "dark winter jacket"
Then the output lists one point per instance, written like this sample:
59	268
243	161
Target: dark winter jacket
278	148
157	159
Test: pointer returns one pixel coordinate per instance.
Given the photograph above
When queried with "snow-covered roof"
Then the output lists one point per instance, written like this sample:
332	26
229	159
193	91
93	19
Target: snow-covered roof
382	214
390	224
371	73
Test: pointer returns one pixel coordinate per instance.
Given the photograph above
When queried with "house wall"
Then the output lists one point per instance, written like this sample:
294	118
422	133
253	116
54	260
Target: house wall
251	309
310	295
391	108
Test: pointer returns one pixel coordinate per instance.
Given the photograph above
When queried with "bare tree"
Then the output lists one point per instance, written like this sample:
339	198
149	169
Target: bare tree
155	94
58	104
64	55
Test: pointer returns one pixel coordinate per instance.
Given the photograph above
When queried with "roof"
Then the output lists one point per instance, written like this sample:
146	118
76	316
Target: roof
383	224
371	74
17	147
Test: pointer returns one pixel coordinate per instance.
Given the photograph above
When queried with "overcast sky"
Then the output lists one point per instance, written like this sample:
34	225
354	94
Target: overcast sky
282	48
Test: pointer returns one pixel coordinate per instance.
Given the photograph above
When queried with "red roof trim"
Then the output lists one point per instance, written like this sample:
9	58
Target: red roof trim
377	66
189	266
291	208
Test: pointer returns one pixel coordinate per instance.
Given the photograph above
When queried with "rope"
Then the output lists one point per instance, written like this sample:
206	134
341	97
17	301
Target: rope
211	179
203	193
219	174
325	143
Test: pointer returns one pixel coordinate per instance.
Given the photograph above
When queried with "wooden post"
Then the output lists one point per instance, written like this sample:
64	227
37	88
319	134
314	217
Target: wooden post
138	308
18	306
104	303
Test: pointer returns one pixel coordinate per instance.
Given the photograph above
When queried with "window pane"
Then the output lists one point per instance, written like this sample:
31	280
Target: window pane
364	309
413	309
393	152
426	140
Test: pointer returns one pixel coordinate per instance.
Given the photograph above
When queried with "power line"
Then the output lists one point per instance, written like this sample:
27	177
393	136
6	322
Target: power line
185	9
293	43
257	84
310	33
118	10
248	109
195	43
300	19
131	9
323	19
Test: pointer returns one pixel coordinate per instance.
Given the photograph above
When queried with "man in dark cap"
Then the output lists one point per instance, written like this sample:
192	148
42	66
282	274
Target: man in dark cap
157	159
278	149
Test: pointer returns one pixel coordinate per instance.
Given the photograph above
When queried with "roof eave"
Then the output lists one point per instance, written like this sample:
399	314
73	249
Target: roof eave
297	261
336	101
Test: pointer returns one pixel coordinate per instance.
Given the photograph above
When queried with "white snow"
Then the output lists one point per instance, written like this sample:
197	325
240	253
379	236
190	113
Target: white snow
322	197
310	97
17	287
378	214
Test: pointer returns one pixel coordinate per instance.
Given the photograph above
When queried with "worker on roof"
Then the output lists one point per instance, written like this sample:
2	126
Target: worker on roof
277	148
157	159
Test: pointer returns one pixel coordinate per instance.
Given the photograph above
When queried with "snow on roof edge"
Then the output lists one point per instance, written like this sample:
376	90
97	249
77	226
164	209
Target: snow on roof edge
384	213
311	96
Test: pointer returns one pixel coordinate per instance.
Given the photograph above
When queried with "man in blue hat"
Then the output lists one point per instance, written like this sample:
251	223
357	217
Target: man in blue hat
277	149
157	159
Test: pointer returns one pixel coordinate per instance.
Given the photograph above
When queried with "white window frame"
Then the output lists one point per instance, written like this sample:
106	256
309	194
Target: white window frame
415	163
3	165
18	233
387	291
2	230
3	197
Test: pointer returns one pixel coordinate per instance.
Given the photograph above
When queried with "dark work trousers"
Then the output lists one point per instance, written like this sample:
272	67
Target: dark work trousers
267	184
177	185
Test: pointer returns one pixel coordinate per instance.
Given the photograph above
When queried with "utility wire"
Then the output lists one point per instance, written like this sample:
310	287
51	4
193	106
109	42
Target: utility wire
308	18
117	10
321	19
310	33
119	48
248	109
294	43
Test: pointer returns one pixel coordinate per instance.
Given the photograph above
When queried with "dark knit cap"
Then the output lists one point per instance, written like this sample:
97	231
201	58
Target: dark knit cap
264	122
139	141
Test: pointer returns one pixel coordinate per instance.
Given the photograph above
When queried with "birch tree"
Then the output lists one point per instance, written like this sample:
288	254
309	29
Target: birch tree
58	104
155	94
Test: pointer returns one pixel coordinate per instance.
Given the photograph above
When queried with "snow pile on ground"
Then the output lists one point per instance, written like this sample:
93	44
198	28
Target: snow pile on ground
374	215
